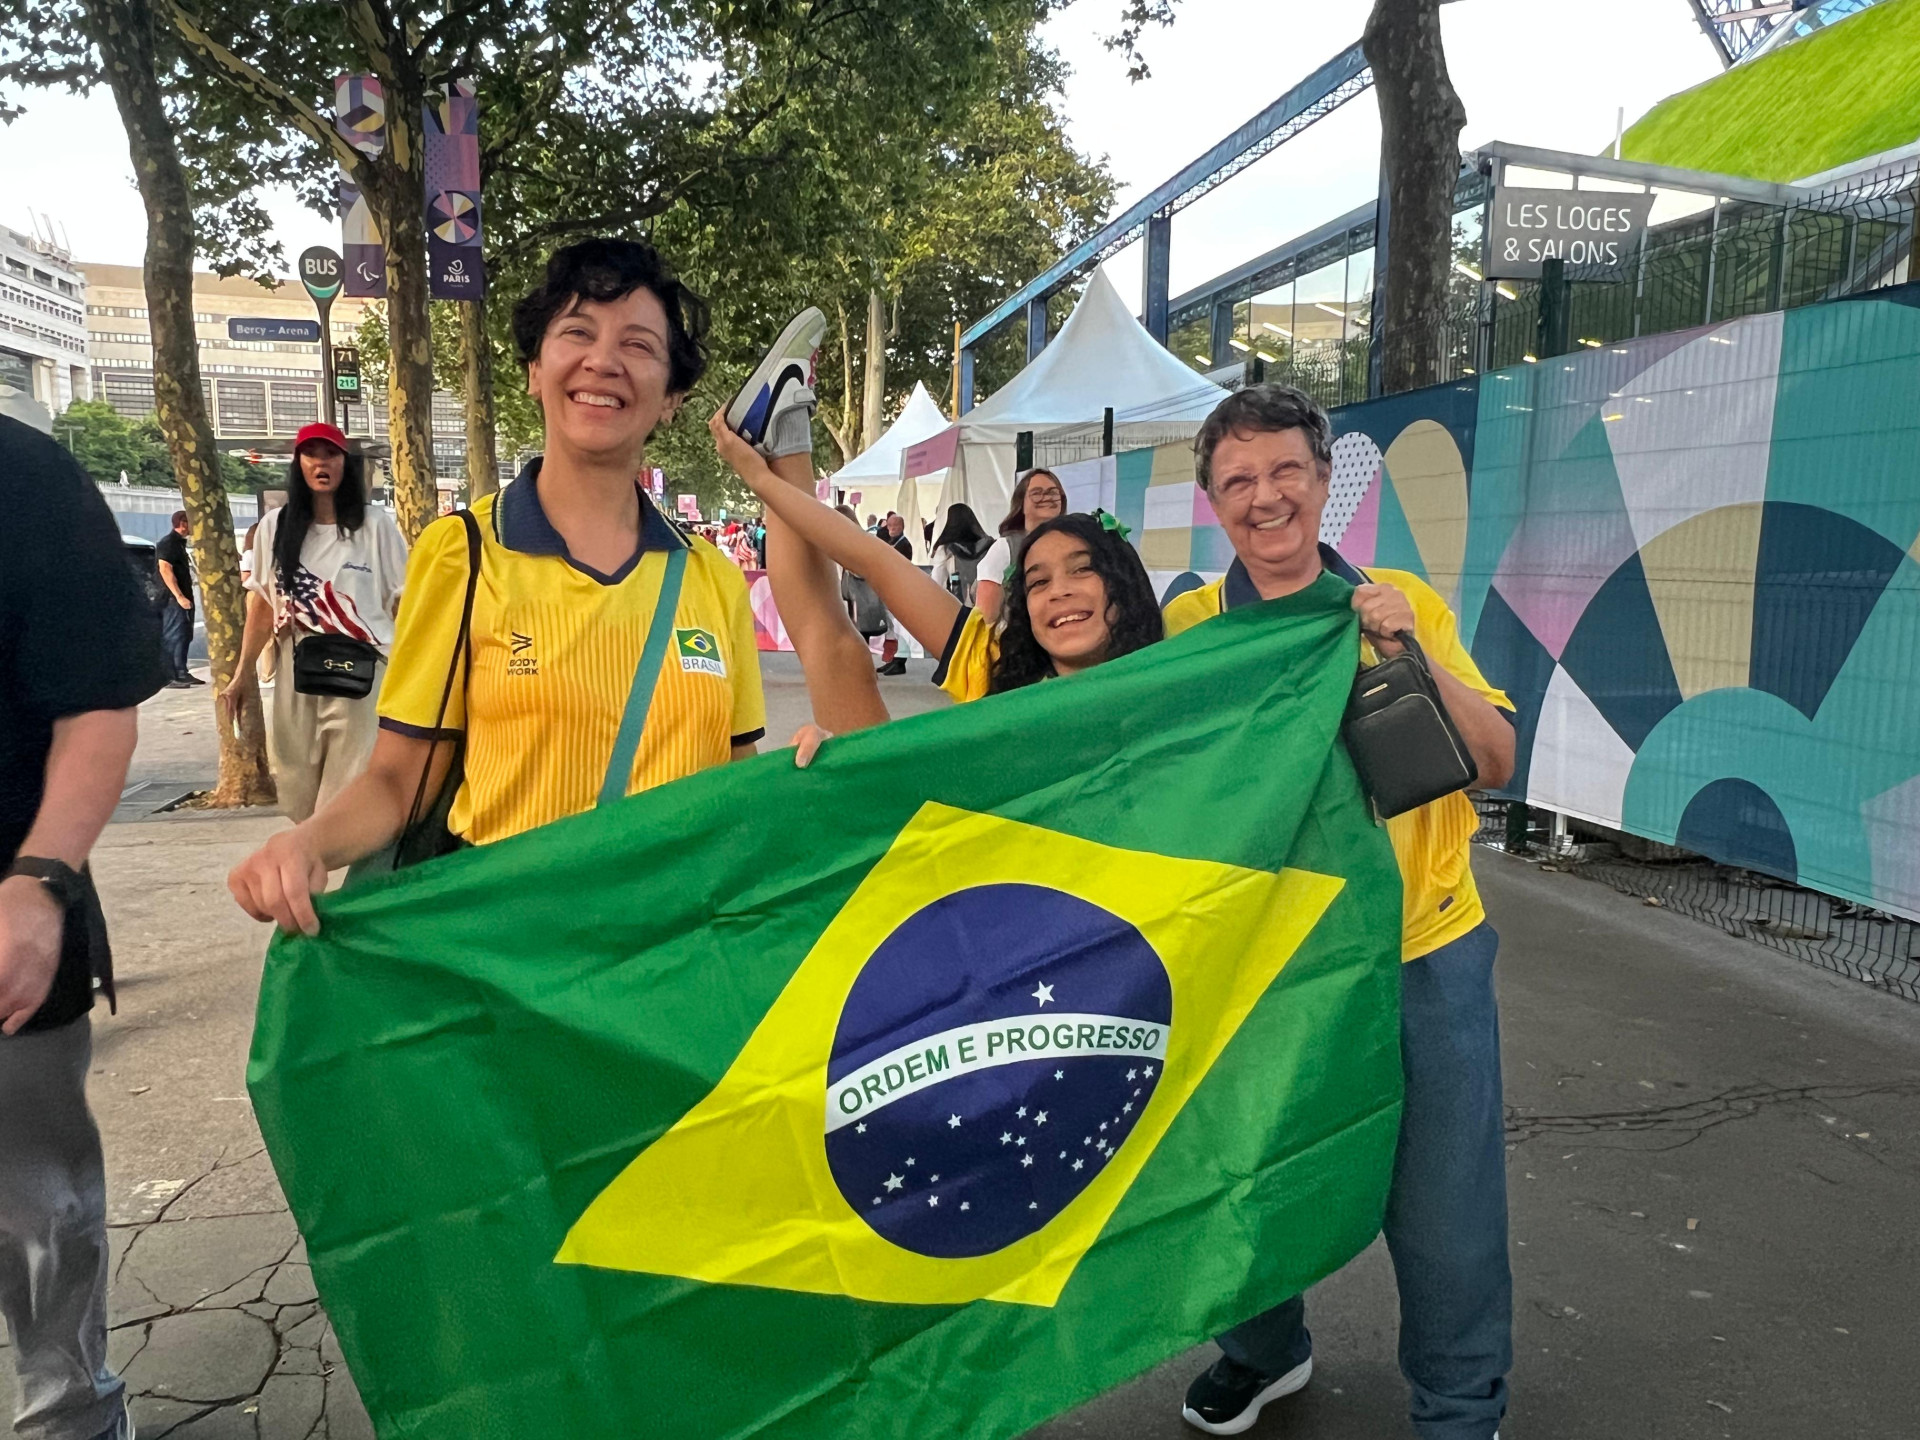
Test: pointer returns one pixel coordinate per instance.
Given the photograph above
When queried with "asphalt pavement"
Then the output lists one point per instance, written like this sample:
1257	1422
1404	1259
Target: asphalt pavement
1714	1169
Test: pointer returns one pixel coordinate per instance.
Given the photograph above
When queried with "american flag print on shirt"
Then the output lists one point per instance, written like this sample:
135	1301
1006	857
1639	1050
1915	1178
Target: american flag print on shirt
313	605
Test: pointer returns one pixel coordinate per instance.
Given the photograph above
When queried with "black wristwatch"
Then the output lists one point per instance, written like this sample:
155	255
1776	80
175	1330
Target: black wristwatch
59	877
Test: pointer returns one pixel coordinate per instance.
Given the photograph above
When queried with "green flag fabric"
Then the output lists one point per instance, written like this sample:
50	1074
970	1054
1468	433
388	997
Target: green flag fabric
1001	1054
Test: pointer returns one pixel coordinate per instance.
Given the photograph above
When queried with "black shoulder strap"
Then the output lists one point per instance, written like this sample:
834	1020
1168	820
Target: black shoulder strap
461	647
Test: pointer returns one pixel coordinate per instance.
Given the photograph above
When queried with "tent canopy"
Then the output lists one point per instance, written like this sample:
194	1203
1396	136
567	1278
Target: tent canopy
1102	358
880	462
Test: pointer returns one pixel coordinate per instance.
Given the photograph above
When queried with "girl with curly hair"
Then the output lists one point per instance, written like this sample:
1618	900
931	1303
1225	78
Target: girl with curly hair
1080	596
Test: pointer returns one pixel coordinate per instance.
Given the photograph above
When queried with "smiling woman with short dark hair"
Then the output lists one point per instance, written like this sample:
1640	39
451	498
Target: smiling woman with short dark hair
554	696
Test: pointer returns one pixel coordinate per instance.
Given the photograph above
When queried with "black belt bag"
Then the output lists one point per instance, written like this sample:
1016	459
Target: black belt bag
334	665
1403	742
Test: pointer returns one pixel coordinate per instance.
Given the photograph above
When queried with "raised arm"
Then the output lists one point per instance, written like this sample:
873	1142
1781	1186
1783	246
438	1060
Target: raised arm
924	607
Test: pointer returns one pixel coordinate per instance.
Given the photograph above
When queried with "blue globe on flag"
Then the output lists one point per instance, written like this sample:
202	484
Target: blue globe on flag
992	1057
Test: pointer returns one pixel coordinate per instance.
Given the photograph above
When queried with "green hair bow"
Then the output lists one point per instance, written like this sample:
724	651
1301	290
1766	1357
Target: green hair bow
1111	524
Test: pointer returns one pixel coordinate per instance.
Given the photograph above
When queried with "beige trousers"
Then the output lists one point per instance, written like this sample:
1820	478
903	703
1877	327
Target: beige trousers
317	744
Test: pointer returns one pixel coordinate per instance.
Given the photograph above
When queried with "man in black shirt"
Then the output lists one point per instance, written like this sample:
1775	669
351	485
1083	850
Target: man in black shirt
78	652
175	562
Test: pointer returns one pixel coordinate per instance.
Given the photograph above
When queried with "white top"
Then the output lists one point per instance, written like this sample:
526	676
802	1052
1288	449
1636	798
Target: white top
997	561
345	586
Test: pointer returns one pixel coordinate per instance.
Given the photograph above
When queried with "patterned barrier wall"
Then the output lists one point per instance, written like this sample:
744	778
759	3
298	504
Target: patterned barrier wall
1693	559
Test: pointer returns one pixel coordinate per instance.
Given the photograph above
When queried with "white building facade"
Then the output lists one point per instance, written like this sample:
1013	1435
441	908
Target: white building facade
43	321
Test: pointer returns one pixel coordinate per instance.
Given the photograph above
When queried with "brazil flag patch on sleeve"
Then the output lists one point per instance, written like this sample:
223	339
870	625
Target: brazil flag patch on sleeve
991	1060
700	652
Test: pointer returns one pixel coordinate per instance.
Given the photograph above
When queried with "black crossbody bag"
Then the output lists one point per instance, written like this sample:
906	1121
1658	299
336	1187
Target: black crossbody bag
1404	744
334	665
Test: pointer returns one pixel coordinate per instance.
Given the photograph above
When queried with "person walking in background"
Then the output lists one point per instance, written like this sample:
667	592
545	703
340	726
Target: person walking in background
1037	498
174	559
894	533
958	550
1264	459
82	650
324	564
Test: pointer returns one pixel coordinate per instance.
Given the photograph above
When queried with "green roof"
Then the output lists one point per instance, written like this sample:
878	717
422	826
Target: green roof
1840	94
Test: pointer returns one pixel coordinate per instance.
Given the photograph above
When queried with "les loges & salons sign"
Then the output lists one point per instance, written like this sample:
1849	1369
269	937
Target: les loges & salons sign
1581	227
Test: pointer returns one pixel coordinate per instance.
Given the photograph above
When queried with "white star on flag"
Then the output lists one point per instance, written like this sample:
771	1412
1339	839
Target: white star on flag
1043	993
1132	1073
1078	1163
1148	1072
953	1122
1006	1137
966	1204
1041	1118
910	1158
894	1182
1021	1112
1127	1109
861	1128
933	1200
1059	1074
1026	1159
1021	1141
933	1179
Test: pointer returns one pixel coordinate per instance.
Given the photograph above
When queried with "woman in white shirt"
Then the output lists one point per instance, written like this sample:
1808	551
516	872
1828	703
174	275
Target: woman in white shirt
325	563
1037	498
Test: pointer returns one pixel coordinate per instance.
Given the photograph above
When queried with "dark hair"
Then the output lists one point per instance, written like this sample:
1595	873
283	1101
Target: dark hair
1016	520
1261	410
349	514
179	519
1134	613
603	270
963	533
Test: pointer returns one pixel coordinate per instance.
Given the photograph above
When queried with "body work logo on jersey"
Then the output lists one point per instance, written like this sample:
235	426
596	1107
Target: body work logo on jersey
700	652
958	1085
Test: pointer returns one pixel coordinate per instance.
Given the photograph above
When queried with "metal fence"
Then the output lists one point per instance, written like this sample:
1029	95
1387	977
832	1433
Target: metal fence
1867	945
1735	258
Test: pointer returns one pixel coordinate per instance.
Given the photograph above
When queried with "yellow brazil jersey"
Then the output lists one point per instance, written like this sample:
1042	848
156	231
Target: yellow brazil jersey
1440	902
966	665
555	646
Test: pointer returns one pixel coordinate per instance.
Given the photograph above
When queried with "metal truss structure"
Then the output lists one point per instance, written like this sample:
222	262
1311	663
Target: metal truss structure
1743	29
1319	95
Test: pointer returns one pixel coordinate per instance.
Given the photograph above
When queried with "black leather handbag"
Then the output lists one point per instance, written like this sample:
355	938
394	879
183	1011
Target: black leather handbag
334	665
1404	745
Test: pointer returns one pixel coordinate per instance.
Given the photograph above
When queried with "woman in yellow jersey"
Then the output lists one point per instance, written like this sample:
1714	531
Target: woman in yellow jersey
607	653
1079	597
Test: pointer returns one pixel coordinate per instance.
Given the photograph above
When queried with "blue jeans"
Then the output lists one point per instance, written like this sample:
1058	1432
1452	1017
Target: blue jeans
1446	1223
176	636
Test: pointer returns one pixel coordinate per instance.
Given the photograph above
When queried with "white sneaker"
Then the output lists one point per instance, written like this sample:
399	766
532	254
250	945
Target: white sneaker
783	378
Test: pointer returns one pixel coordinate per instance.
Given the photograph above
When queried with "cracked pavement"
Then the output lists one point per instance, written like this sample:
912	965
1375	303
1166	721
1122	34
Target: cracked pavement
1713	1148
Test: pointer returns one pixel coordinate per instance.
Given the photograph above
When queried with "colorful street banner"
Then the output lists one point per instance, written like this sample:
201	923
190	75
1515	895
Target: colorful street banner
452	128
360	112
361	251
931	1090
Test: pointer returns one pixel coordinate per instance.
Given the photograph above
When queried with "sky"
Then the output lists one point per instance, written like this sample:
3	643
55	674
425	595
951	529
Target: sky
1552	73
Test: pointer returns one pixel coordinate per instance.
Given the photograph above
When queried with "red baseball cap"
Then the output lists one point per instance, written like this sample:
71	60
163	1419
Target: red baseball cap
321	431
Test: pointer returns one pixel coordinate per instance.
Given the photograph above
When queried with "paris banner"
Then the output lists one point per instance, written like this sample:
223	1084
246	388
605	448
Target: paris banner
999	1055
451	126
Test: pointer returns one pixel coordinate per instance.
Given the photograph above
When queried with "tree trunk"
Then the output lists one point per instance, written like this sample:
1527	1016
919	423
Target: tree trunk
396	198
874	394
123	31
1420	122
476	370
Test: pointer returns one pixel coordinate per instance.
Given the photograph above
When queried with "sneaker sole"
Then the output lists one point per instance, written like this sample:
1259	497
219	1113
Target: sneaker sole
748	412
1295	1379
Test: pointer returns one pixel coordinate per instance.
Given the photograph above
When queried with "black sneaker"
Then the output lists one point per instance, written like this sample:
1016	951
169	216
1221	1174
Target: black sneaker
1226	1400
892	667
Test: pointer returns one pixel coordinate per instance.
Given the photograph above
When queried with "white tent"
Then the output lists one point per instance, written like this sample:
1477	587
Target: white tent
1102	358
875	472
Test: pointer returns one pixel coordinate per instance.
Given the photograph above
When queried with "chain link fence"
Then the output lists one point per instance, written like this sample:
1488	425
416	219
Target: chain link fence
1850	939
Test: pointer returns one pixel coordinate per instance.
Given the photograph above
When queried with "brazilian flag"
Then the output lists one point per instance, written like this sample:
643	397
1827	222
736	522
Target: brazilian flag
931	1090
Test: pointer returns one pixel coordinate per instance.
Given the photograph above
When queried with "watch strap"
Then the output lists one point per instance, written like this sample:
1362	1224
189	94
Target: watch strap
56	875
